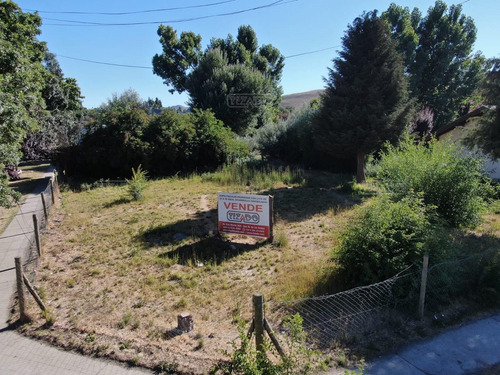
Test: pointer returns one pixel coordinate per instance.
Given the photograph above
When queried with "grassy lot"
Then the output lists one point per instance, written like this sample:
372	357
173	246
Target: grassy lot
32	172
116	273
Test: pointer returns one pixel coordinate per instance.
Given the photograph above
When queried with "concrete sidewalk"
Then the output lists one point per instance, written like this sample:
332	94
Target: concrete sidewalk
19	355
462	350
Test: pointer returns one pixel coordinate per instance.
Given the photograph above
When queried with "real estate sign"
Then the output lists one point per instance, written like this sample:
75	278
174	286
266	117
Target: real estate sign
249	215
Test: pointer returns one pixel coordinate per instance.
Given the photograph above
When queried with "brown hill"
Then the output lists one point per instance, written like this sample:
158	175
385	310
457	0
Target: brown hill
298	99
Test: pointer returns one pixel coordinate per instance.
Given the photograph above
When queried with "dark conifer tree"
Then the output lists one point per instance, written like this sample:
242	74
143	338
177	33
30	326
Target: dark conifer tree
365	102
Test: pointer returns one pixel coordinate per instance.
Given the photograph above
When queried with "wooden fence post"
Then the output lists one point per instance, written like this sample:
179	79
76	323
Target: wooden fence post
34	293
423	287
37	235
273	338
258	313
51	183
45	212
56	183
271	218
20	290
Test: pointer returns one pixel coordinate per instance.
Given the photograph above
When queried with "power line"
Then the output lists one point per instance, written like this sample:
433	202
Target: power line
106	63
311	52
85	23
135	12
150	67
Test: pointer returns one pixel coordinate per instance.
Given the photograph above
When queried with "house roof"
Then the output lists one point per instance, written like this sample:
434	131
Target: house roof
461	121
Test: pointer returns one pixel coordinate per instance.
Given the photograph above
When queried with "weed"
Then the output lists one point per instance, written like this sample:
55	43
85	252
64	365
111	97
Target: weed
70	282
165	367
281	239
125	345
95	272
90	337
126	319
42	293
181	304
137	184
49	317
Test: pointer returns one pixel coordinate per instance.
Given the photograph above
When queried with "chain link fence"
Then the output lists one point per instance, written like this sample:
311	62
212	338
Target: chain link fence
33	212
360	311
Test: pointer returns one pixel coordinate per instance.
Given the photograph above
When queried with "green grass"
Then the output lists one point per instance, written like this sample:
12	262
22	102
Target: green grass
255	176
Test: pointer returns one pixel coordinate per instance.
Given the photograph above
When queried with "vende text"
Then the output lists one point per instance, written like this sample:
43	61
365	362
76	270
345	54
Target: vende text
244	207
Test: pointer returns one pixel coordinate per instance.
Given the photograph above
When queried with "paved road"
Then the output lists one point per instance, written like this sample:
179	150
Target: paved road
463	350
22	356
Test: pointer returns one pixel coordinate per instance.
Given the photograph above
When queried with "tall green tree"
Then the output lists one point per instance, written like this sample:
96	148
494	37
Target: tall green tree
437	50
366	99
236	79
486	135
60	123
21	81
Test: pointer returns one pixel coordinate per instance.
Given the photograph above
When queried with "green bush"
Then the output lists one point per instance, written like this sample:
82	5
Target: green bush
188	142
292	140
246	360
447	176
384	238
137	184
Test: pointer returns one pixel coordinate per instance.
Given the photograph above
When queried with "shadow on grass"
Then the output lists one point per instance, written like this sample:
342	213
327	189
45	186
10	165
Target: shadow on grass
117	202
193	240
212	249
303	202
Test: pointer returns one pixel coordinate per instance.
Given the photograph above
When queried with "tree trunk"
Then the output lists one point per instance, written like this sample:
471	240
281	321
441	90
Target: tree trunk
360	170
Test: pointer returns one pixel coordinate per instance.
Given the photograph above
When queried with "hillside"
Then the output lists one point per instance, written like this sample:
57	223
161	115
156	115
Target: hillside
298	99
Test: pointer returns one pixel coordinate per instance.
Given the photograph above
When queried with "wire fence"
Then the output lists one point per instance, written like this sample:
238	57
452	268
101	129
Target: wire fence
363	310
34	211
475	277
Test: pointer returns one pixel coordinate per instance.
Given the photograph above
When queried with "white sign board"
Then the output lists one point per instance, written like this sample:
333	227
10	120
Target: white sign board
249	215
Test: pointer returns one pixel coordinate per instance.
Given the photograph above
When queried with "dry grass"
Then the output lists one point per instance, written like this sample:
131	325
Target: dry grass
116	273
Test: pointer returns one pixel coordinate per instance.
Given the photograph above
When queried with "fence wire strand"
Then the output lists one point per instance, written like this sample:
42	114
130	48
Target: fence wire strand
343	314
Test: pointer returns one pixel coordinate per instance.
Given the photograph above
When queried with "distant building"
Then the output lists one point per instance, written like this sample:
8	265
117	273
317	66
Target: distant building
457	130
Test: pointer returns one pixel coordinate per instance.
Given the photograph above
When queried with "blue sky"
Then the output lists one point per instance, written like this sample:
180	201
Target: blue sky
293	26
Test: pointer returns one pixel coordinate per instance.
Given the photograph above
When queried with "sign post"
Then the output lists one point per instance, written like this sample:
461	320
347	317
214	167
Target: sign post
243	214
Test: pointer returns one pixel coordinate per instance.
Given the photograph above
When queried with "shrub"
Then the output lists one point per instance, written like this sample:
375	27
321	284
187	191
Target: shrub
137	184
447	176
188	142
246	360
384	238
292	140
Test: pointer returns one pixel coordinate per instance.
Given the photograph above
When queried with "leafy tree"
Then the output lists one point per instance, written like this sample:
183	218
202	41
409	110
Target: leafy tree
113	142
21	72
437	50
366	100
185	142
487	134
153	105
129	99
60	123
226	69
